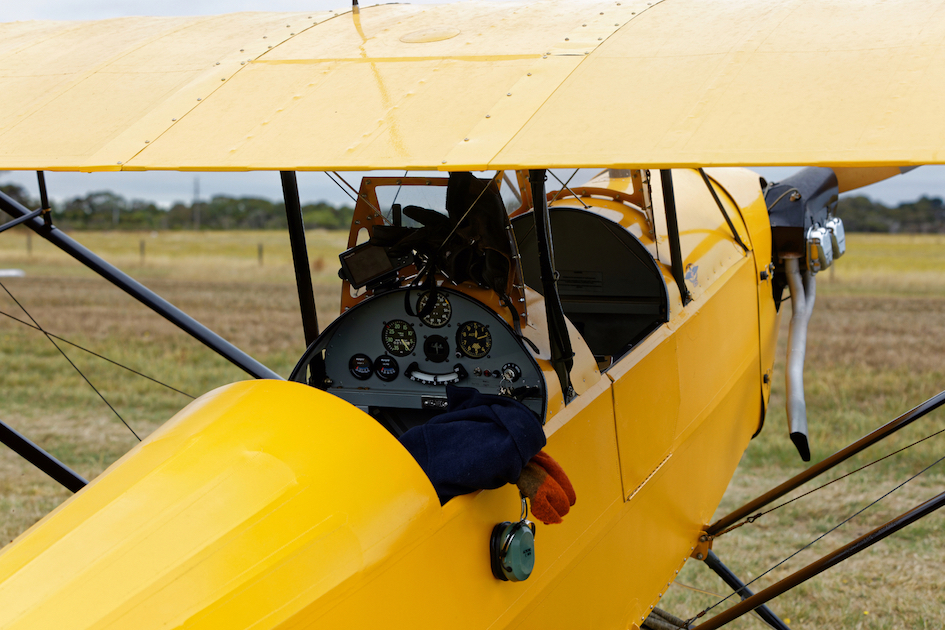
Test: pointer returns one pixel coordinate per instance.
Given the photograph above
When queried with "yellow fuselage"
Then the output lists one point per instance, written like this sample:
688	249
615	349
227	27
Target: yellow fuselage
268	504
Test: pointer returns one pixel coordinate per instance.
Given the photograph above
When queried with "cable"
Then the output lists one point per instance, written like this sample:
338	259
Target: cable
829	531
95	354
52	341
755	517
565	186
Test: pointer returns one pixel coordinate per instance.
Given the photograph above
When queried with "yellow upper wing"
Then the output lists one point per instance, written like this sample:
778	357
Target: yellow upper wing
480	85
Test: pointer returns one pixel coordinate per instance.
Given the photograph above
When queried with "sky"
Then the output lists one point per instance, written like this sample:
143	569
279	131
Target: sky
165	188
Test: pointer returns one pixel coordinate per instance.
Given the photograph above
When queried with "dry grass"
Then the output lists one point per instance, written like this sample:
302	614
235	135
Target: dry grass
876	348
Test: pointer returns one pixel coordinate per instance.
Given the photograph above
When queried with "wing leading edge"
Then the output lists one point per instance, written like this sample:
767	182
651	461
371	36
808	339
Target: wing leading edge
481	86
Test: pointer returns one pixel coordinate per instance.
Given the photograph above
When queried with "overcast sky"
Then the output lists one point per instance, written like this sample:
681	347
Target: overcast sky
167	187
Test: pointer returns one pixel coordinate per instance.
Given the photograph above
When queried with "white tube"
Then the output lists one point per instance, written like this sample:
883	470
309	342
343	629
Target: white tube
803	294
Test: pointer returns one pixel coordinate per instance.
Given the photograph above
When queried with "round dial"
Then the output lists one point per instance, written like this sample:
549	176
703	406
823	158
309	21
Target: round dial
386	368
436	348
399	337
440	315
474	340
361	366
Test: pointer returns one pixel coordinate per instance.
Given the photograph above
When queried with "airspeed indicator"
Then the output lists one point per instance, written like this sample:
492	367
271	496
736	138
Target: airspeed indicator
399	338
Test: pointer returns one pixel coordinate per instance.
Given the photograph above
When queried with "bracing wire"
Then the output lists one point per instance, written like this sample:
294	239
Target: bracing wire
565	186
62	352
343	189
811	543
95	354
755	517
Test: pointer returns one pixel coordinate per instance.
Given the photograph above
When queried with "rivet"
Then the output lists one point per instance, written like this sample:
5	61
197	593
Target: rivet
488	115
269	47
651	605
465	139
309	17
583	24
291	34
633	13
242	50
567	39
602	13
509	94
600	38
173	120
147	141
242	63
199	99
264	36
224	79
217	63
529	74
616	24
119	164
660	595
444	161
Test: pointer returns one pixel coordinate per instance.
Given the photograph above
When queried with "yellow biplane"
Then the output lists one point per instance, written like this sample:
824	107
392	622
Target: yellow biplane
634	315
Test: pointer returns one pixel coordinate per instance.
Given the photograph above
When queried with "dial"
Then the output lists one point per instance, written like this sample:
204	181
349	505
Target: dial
399	337
442	310
361	367
386	368
436	348
474	340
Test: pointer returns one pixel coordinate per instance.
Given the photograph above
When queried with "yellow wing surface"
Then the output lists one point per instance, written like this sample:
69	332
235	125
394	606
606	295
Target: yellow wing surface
481	86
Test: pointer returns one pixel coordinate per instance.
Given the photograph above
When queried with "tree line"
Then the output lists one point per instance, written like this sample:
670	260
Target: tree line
105	210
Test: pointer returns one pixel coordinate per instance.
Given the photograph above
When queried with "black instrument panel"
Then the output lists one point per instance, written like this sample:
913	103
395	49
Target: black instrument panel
397	351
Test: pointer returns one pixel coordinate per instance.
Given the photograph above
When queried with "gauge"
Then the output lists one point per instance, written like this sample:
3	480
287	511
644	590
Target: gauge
441	313
361	367
436	348
474	340
399	337
386	368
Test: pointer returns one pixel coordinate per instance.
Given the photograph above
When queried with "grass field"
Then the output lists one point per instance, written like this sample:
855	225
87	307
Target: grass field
876	348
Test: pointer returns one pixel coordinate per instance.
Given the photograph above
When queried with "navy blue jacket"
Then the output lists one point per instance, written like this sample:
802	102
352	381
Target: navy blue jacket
481	442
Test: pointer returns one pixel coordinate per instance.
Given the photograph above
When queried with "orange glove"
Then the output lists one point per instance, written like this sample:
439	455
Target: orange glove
547	487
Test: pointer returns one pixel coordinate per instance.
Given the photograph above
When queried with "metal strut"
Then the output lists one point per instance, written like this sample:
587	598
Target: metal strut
826	562
140	292
837	458
712	561
23	447
672	226
562	356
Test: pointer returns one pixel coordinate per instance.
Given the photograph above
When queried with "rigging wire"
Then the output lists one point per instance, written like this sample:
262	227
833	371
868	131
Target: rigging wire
755	517
62	352
565	186
808	545
95	354
343	189
371	205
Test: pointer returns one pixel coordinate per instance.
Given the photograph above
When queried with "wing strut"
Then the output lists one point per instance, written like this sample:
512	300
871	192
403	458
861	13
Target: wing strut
303	273
824	563
562	357
837	458
23	447
672	226
140	292
712	561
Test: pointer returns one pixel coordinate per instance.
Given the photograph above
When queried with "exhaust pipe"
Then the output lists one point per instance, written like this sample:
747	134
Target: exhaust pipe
803	293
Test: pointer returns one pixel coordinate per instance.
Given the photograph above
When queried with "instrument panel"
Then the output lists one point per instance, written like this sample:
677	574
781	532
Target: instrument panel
399	351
